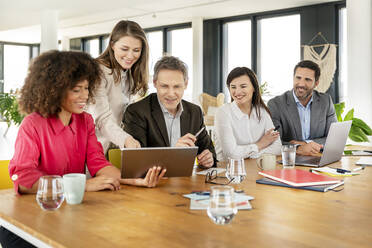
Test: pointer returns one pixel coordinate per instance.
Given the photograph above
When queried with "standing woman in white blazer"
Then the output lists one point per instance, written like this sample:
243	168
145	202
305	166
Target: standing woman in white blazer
244	128
124	64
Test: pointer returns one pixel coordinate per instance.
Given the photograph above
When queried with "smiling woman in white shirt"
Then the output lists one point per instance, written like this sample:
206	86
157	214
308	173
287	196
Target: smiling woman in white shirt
125	73
244	128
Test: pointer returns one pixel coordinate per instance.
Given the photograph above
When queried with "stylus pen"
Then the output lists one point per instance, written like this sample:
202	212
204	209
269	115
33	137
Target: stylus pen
199	132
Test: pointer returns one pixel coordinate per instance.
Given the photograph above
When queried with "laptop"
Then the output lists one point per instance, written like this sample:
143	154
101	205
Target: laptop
179	161
333	148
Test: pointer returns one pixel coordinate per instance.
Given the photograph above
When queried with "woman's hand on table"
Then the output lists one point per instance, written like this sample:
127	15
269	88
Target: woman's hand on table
102	182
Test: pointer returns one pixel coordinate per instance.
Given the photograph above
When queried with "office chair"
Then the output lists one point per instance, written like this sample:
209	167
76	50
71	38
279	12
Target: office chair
5	181
114	156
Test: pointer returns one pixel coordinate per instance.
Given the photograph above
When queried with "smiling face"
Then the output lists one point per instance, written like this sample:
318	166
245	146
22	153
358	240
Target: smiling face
127	50
170	86
76	98
241	90
304	84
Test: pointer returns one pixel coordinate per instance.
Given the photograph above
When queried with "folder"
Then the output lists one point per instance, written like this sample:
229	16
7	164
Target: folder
298	177
319	188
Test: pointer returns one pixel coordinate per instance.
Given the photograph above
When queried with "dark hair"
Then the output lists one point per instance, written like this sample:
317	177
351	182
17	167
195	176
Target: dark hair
49	77
170	63
257	101
310	65
139	71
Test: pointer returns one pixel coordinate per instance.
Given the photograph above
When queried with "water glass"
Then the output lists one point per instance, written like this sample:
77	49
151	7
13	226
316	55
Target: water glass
222	207
50	192
288	156
235	170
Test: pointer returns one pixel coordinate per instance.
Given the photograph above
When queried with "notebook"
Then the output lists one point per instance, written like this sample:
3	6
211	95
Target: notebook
333	148
298	177
319	188
179	161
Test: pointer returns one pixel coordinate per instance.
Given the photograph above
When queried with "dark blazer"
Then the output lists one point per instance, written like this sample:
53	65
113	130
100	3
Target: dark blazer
144	120
285	115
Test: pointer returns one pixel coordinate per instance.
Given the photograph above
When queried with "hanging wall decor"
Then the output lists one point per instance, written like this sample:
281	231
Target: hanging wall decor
325	58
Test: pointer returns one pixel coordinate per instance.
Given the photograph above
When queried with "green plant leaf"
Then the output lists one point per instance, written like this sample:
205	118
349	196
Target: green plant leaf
362	125
356	134
349	116
339	109
9	109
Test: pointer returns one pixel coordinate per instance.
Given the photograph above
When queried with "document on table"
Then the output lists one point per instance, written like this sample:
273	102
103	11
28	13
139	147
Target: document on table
364	161
201	202
333	172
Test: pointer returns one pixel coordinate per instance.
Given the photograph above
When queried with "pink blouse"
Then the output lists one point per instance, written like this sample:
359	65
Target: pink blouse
44	146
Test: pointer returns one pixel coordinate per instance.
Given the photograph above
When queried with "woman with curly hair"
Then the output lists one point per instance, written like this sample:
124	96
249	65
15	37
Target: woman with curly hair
57	137
125	73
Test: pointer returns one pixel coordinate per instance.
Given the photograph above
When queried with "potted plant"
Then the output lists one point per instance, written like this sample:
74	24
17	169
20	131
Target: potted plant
359	129
9	110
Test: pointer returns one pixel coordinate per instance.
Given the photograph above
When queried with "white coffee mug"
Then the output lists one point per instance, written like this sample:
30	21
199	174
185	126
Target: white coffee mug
74	187
266	162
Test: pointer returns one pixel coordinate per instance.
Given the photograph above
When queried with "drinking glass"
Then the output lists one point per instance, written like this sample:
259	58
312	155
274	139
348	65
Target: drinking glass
50	192
288	156
235	170
222	207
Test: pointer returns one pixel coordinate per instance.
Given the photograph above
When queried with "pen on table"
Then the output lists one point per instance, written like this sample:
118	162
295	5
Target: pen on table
199	132
202	193
342	171
359	168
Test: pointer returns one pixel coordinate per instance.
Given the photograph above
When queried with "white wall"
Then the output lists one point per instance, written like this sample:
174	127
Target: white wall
359	36
197	57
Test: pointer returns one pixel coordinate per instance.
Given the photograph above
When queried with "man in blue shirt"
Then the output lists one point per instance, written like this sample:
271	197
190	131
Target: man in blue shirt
303	115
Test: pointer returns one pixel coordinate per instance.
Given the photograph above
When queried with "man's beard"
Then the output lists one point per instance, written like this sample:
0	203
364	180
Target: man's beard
308	92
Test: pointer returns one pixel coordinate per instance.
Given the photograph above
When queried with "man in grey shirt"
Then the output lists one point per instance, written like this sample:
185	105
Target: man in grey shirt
303	115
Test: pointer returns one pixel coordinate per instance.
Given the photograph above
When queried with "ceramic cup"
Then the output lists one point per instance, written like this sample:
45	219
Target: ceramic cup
74	187
266	162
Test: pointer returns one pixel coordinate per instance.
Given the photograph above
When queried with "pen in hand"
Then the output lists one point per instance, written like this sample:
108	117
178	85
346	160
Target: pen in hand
199	132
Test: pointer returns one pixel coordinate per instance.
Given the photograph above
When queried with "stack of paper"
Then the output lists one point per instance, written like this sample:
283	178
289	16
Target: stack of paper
201	201
333	172
364	161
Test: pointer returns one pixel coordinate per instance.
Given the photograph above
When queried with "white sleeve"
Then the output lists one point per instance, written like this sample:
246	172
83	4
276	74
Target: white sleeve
225	135
106	122
275	147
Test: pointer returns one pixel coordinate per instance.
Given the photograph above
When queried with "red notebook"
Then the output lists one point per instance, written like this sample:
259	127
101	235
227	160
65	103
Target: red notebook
298	177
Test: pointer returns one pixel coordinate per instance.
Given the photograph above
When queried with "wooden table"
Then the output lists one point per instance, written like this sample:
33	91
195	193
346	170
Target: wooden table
160	217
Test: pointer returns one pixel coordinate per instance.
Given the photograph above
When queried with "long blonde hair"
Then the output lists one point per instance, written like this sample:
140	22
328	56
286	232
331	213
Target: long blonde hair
139	71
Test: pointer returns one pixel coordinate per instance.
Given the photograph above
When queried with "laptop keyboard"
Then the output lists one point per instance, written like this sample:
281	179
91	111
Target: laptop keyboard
308	160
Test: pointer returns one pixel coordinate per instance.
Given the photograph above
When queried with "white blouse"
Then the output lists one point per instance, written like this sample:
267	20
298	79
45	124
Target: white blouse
111	101
237	133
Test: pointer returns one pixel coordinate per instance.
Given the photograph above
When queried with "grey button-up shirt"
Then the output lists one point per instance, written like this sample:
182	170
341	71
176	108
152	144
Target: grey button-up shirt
173	123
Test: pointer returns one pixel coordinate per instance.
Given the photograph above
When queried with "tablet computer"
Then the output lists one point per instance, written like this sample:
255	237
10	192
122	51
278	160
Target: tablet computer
179	161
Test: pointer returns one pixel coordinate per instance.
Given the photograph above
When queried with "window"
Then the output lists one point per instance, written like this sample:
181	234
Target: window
16	59
343	55
181	47
155	40
278	52
105	41
237	48
92	47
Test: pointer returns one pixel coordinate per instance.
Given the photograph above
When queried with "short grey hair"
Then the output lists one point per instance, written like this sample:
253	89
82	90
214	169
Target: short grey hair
171	63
